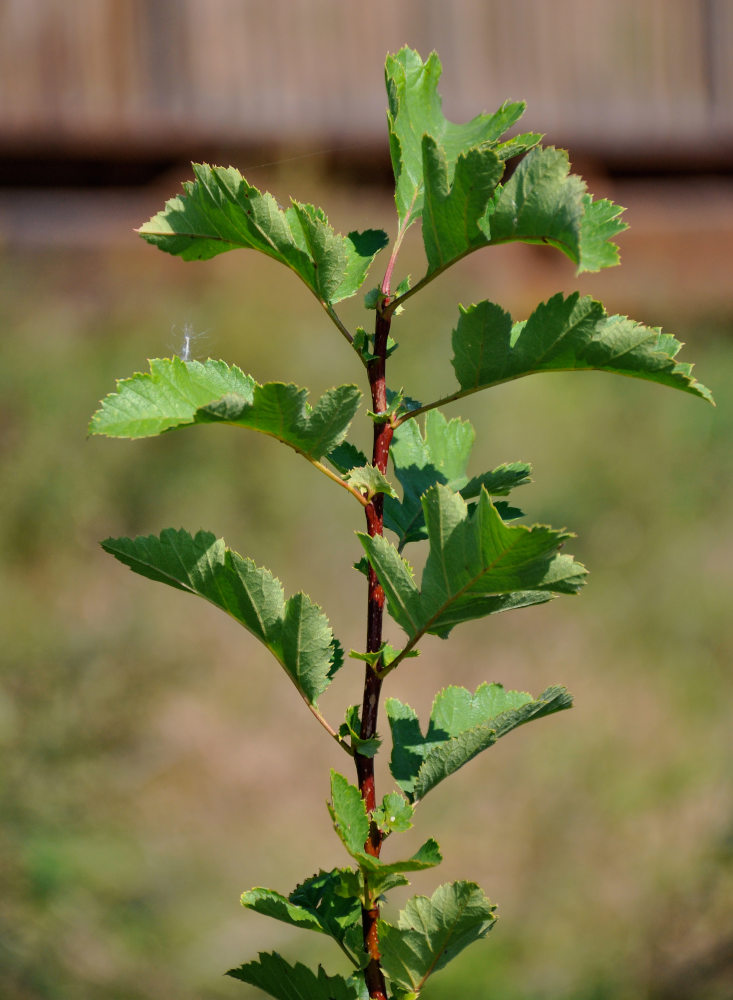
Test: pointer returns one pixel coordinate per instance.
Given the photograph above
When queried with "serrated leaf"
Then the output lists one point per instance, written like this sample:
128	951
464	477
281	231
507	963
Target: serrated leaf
369	481
317	904
441	455
220	211
414	111
351	822
564	334
280	409
461	726
168	396
349	814
269	903
295	631
272	974
345	457
601	222
428	856
476	566
177	393
445	759
451	211
542	202
351	728
394	815
431	932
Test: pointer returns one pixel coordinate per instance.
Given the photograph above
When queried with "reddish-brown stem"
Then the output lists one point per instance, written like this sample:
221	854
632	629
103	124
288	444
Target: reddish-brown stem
372	682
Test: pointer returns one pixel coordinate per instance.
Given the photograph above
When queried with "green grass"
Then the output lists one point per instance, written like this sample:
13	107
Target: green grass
146	780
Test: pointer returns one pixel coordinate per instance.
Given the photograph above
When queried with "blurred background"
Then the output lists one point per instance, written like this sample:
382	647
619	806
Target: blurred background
154	761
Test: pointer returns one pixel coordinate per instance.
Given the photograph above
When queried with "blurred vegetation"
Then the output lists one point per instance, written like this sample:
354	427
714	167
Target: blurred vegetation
155	763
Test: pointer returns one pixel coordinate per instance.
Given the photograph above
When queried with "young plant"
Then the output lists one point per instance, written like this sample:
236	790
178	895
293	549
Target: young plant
453	180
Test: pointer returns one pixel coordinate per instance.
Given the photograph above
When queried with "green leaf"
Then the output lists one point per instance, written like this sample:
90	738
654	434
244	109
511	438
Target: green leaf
440	456
272	974
564	334
177	393
272	904
451	212
318	904
349	814
351	822
431	932
415	110
476	566
428	856
601	222
295	631
345	457
281	410
350	729
220	211
461	726
369	481
168	396
394	815
542	202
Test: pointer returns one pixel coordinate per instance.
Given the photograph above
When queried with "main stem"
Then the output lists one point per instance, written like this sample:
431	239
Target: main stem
373	975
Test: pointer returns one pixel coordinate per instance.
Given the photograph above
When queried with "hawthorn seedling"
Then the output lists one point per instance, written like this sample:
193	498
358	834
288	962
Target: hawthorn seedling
452	181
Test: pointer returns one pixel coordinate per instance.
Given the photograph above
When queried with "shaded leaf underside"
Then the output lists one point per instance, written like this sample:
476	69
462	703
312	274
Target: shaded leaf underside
461	726
476	566
272	974
295	631
440	455
431	931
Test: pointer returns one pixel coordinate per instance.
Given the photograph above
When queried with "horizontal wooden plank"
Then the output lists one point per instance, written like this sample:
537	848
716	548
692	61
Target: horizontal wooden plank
636	72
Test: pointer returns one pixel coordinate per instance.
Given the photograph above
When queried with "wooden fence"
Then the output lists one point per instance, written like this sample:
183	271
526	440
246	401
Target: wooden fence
643	76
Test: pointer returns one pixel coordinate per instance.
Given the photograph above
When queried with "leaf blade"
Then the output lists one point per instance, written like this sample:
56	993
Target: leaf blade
177	393
219	211
295	631
461	726
564	334
415	110
476	566
273	975
432	931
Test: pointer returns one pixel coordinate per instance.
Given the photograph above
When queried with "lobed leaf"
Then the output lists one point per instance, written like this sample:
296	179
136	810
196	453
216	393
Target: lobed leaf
348	814
451	213
369	481
564	334
542	202
178	393
461	726
220	211
430	932
415	110
319	904
295	631
346	456
476	566
394	815
272	974
441	455
351	823
351	727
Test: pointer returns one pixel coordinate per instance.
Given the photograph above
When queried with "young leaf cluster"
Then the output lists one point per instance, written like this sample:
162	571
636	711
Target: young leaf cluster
471	186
